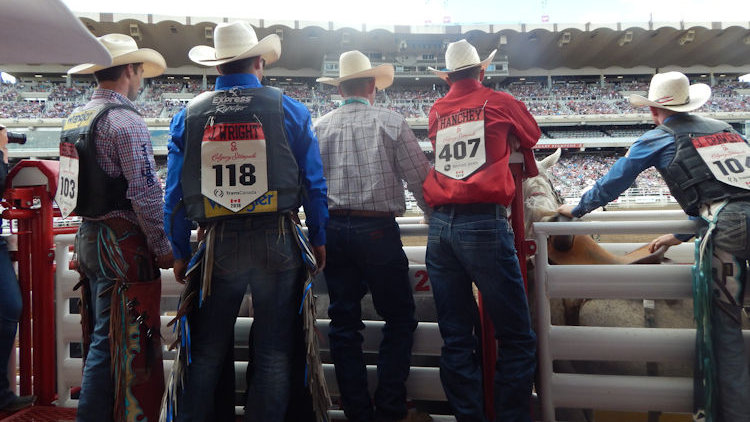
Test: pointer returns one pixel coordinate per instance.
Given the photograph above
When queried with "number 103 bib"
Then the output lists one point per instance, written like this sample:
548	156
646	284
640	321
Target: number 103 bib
459	144
233	164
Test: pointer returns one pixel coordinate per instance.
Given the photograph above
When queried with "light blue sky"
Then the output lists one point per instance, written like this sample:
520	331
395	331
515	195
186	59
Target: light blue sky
417	12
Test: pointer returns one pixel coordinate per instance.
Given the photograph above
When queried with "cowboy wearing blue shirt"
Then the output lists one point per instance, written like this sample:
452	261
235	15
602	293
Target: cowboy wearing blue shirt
704	163
241	161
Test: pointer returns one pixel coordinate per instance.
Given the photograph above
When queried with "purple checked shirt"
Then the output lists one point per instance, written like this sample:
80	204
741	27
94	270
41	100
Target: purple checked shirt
123	146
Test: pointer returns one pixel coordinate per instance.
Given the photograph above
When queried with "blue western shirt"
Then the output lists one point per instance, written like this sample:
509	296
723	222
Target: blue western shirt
302	141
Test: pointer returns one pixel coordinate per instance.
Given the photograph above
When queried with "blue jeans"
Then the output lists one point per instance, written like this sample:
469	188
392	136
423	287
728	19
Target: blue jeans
365	253
260	251
462	248
733	374
10	312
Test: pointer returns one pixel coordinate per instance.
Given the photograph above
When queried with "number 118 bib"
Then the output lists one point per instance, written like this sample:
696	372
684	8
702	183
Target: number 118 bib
459	144
233	164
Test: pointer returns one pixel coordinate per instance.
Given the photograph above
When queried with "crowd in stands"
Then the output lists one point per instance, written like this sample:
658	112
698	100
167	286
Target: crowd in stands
562	98
575	173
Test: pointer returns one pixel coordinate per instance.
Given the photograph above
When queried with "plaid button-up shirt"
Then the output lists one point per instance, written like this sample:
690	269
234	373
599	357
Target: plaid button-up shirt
367	151
123	147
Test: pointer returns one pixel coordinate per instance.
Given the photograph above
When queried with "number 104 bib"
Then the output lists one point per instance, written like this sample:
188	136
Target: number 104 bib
233	164
727	156
459	144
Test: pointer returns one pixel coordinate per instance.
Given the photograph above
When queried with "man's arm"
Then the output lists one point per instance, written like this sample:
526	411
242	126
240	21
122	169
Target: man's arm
304	145
176	224
412	164
144	191
646	152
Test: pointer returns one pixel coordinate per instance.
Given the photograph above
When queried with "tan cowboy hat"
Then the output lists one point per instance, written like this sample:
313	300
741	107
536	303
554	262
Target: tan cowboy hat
236	41
355	65
461	55
46	31
124	50
672	91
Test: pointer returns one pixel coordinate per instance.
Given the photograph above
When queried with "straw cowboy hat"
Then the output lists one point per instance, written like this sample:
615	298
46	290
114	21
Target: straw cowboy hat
672	91
236	41
461	55
46	31
355	65
124	50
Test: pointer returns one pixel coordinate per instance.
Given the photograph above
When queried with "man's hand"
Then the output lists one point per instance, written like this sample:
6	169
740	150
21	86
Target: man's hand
566	210
180	266
663	240
320	257
165	261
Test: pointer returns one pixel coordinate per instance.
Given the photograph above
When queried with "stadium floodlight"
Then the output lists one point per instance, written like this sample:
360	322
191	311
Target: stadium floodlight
626	38
564	39
135	31
687	37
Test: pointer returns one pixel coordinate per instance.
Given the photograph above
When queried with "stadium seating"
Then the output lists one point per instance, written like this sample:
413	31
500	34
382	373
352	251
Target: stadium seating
49	99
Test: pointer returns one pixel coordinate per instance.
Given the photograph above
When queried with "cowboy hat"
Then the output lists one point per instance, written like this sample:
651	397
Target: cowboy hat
236	41
124	50
46	31
461	55
355	65
672	91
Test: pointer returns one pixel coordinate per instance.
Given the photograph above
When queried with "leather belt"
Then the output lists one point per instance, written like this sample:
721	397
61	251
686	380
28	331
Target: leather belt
121	225
473	209
362	213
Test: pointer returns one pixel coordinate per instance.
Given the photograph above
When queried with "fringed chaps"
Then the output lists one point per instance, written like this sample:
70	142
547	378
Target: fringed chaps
135	339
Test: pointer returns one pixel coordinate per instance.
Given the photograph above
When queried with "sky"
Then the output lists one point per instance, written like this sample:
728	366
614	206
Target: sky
419	12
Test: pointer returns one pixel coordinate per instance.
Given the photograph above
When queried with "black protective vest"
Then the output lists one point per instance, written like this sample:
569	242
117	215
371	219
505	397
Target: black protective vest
98	193
688	177
251	105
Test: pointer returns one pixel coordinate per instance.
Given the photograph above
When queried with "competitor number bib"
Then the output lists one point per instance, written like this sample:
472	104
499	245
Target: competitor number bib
233	164
727	156
459	144
67	180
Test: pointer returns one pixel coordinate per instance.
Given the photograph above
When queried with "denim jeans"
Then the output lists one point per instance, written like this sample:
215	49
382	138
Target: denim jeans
365	253
730	263
10	312
462	248
260	251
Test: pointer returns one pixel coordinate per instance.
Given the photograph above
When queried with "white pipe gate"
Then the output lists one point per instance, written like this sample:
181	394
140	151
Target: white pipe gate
620	393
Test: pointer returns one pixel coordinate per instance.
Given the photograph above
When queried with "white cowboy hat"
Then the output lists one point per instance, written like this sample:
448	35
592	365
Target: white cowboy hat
461	55
355	65
124	50
672	91
46	31
236	41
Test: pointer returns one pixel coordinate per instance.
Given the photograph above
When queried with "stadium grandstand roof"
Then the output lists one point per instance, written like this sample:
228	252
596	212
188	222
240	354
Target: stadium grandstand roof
619	48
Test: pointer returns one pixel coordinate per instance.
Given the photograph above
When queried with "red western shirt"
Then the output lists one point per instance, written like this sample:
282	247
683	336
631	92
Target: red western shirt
503	116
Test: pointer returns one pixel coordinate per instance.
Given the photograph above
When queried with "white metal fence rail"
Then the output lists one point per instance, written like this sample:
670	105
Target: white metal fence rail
625	393
423	383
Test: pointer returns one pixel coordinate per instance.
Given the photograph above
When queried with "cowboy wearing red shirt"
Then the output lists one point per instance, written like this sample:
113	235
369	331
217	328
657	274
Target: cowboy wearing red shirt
474	129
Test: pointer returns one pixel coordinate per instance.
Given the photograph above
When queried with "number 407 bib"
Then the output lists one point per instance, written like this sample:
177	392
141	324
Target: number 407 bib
233	164
459	144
